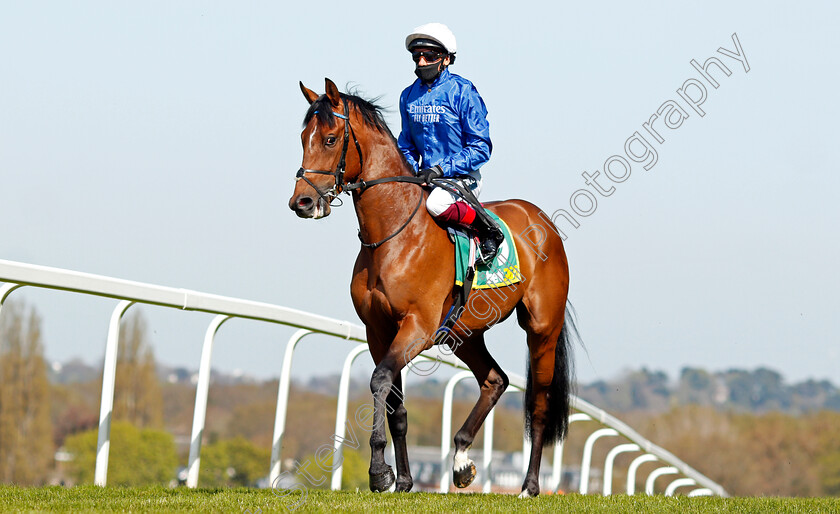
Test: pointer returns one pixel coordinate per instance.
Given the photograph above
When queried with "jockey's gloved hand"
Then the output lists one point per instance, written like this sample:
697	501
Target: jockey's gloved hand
430	173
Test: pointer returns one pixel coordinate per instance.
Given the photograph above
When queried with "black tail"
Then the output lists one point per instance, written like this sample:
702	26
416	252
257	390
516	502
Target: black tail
557	421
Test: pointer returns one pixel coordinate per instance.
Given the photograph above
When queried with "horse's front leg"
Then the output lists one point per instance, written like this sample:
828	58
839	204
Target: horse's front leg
398	425
386	398
386	386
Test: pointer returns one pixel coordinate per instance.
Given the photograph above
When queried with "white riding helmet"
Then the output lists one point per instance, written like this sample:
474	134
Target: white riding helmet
434	33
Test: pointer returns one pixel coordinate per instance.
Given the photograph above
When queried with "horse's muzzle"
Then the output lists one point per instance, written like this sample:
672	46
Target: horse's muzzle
306	206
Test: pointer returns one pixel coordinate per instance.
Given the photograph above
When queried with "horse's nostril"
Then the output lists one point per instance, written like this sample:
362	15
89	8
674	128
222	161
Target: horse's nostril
305	202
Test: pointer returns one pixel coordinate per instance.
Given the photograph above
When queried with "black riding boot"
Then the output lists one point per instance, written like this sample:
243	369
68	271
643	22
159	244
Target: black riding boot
491	237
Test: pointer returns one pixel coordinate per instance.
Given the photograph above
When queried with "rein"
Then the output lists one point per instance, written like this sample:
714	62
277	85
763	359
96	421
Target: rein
340	186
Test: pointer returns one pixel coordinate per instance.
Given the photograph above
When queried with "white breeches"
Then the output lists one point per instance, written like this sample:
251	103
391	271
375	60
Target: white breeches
440	199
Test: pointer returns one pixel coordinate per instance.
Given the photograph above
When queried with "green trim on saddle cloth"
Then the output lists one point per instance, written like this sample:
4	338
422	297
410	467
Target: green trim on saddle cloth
504	270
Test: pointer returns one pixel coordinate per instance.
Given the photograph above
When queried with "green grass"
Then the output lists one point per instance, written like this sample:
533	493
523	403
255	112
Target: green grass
159	499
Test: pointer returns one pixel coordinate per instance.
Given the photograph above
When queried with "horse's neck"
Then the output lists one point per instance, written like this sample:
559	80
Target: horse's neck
384	208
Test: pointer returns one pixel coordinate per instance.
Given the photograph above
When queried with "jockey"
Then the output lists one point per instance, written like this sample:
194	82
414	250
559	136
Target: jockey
445	133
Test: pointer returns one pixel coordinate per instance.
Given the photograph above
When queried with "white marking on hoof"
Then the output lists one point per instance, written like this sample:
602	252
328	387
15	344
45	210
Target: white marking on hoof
462	461
525	494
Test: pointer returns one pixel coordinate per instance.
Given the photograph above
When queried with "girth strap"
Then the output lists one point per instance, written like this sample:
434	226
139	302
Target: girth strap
458	306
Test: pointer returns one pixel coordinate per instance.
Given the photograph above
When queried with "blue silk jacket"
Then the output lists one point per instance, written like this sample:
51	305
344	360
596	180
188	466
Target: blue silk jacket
444	124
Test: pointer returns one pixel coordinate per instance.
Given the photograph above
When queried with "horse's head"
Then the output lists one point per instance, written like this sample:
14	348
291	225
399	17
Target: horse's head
326	140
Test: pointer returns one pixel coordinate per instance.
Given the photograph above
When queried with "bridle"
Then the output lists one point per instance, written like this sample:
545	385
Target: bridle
340	186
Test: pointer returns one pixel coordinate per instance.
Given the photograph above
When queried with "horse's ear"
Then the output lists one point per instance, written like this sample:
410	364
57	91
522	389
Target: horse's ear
332	93
310	95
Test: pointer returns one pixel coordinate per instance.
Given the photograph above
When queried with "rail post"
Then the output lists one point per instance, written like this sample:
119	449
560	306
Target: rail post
106	408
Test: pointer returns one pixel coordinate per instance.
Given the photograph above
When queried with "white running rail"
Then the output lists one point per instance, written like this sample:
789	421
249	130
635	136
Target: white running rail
17	275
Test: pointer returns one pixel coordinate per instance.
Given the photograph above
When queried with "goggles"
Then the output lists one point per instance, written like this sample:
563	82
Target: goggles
429	55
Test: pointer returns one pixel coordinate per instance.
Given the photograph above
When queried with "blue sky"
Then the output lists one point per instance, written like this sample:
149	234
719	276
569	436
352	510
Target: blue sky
157	142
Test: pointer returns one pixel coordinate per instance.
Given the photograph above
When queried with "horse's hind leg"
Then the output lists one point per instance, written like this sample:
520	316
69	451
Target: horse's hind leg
548	388
398	426
493	382
541	375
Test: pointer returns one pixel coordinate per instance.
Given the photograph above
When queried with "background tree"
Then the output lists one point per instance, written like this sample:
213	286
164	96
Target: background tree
137	392
696	387
354	469
137	457
233	462
26	446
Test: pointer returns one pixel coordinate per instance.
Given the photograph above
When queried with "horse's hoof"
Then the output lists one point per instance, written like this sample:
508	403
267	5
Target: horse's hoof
380	482
465	476
404	485
529	492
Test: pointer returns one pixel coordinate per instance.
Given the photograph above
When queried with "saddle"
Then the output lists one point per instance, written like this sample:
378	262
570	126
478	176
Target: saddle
503	271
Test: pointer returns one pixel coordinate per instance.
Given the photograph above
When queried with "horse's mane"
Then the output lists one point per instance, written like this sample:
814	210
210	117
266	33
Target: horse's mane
370	111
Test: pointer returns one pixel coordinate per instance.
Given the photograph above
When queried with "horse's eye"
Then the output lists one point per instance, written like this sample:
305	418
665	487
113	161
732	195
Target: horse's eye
330	141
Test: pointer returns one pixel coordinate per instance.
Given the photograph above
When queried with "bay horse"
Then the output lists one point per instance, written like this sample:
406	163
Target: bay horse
403	280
